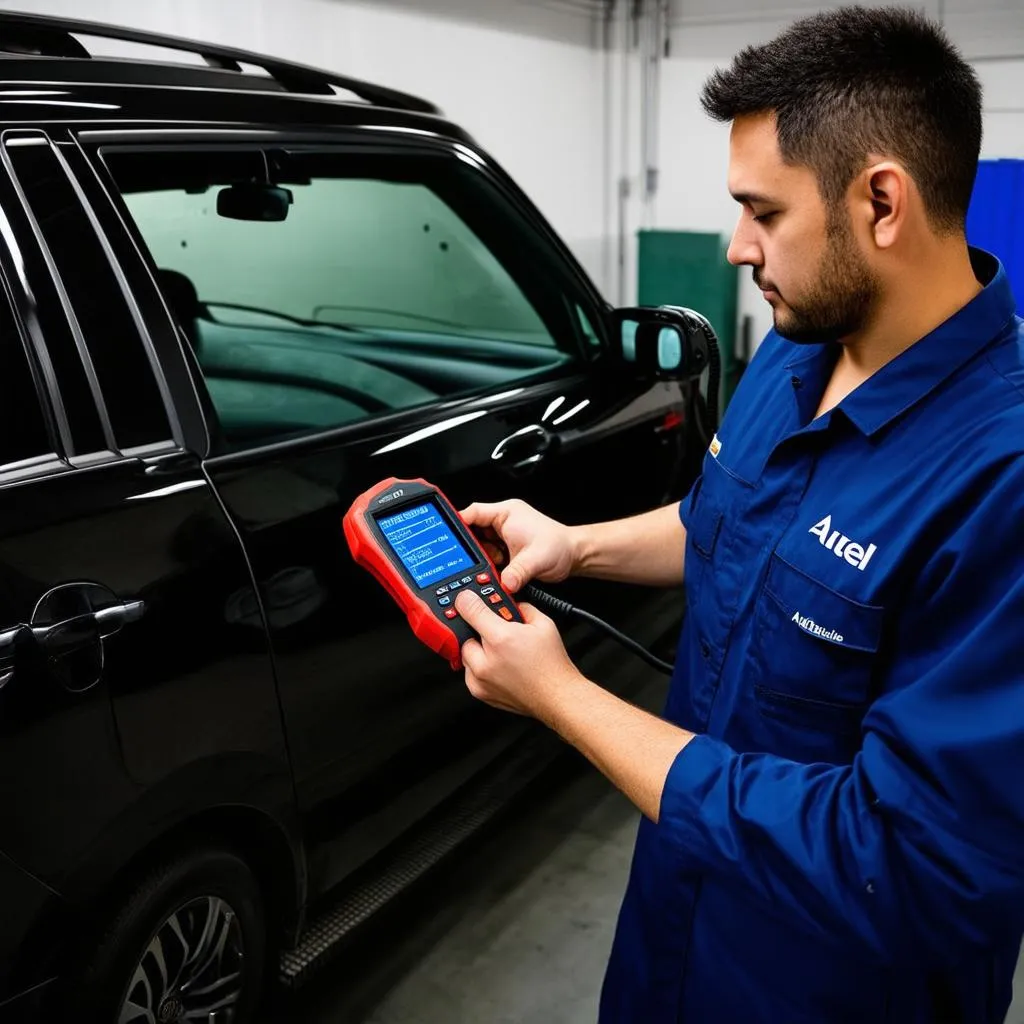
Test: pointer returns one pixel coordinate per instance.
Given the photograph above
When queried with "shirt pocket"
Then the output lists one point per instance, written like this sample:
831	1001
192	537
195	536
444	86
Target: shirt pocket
813	651
703	521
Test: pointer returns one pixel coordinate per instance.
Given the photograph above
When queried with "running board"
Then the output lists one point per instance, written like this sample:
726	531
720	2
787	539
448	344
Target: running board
466	814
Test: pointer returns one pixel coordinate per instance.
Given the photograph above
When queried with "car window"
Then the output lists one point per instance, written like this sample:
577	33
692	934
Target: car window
112	347
320	288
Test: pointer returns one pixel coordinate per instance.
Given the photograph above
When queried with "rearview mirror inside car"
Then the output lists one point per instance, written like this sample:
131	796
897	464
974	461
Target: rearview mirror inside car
253	200
665	342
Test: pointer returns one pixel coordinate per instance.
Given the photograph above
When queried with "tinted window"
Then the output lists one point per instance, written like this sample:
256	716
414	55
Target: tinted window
23	433
125	376
391	281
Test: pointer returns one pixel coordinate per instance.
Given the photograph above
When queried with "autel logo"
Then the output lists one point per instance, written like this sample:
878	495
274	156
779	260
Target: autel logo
840	545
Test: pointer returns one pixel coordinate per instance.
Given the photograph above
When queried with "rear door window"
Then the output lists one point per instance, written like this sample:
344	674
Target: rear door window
92	337
321	288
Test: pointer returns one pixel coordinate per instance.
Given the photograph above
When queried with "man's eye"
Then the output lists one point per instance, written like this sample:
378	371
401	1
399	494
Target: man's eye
764	218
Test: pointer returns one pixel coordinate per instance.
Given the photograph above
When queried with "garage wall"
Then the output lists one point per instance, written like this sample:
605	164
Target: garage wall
706	33
524	78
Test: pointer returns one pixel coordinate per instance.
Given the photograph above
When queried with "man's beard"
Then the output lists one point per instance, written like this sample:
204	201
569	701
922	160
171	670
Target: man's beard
843	298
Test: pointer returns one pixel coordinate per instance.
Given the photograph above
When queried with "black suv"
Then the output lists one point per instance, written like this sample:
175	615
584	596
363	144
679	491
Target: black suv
236	294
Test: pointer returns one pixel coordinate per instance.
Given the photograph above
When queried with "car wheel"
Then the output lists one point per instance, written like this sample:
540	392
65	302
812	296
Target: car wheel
189	944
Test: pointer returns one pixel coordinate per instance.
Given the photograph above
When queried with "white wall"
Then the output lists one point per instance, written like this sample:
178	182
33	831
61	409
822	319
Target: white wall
694	149
524	80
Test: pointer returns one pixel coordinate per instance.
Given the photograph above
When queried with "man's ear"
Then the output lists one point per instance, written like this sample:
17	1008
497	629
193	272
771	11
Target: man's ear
885	196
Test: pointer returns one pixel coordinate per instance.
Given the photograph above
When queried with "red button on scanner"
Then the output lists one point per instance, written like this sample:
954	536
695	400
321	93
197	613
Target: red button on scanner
495	599
450	613
483	577
506	613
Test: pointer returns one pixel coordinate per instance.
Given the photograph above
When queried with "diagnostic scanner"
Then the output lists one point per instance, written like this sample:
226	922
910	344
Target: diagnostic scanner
409	536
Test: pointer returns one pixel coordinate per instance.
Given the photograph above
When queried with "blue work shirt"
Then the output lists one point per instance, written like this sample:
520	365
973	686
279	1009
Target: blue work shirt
843	841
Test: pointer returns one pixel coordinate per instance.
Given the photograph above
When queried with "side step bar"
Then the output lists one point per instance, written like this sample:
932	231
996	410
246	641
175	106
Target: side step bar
466	813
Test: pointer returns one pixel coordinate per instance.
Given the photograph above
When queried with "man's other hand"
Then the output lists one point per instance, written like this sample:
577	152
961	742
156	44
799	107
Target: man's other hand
539	547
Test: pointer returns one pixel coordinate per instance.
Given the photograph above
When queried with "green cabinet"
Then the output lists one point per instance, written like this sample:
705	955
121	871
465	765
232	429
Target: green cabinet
689	268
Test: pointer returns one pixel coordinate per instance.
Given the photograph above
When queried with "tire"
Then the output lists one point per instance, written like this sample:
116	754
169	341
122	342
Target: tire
212	900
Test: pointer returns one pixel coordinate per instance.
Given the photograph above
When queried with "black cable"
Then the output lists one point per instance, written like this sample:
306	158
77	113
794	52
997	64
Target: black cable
714	379
550	603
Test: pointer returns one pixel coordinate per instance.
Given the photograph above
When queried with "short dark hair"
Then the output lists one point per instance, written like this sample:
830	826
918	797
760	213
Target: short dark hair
853	81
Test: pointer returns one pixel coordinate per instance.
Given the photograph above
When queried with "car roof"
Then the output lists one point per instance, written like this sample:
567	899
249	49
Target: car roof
48	74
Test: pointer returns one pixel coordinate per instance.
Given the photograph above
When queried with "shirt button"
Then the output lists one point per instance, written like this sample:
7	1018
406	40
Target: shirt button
705	650
796	382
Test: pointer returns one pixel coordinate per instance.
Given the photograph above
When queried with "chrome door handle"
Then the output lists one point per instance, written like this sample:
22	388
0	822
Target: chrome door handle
526	447
8	642
116	617
83	630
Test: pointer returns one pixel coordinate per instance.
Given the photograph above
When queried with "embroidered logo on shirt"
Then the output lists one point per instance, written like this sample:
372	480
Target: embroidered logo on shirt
715	447
840	545
808	625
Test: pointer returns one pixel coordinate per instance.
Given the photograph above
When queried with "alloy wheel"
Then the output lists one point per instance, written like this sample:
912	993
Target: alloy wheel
191	970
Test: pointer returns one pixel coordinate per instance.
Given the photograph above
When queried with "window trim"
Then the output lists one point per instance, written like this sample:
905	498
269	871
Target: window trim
36	137
118	271
11	138
40	366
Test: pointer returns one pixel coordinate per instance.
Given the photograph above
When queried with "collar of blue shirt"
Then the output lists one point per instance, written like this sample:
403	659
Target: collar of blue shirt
915	373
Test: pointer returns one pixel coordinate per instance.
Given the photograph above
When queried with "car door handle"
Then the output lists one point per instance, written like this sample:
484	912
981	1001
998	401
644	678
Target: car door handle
8	644
84	630
526	447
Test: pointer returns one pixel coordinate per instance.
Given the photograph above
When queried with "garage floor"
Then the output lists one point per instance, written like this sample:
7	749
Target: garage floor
514	930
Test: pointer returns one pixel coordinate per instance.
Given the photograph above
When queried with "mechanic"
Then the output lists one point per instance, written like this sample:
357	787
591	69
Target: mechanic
833	804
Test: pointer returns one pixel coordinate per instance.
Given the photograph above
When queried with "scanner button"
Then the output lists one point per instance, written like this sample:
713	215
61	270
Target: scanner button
442	601
441	590
466	580
454	585
450	613
483	577
486	591
505	613
495	599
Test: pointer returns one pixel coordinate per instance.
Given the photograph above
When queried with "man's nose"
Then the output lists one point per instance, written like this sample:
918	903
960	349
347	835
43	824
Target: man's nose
743	250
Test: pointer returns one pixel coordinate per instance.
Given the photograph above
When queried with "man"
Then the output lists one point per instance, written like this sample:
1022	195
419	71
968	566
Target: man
833	802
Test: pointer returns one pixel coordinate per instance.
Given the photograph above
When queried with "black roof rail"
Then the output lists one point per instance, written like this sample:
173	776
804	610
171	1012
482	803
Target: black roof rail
47	36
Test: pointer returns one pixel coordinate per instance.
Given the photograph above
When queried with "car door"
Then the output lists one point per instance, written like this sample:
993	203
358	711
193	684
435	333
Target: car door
406	314
117	667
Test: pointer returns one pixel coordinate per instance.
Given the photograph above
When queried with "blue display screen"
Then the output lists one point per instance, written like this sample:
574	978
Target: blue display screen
425	543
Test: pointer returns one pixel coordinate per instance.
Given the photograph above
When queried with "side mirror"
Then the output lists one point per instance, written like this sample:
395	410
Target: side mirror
254	201
663	342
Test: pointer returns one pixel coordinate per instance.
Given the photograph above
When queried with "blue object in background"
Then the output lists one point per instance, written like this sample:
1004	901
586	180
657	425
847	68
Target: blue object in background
995	219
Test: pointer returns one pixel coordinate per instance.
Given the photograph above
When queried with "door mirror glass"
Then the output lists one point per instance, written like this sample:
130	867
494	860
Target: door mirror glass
663	342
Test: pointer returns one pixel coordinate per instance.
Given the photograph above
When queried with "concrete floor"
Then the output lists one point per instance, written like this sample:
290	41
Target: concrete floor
515	930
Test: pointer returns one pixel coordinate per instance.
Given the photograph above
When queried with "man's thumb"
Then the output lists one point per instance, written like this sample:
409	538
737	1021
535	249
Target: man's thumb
472	608
515	575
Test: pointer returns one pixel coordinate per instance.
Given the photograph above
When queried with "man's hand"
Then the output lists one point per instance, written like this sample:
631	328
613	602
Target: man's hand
515	666
539	547
523	667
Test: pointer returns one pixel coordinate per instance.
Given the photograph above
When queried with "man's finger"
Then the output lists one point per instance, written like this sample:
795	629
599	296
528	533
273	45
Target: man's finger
472	608
516	574
480	513
531	614
473	657
497	554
